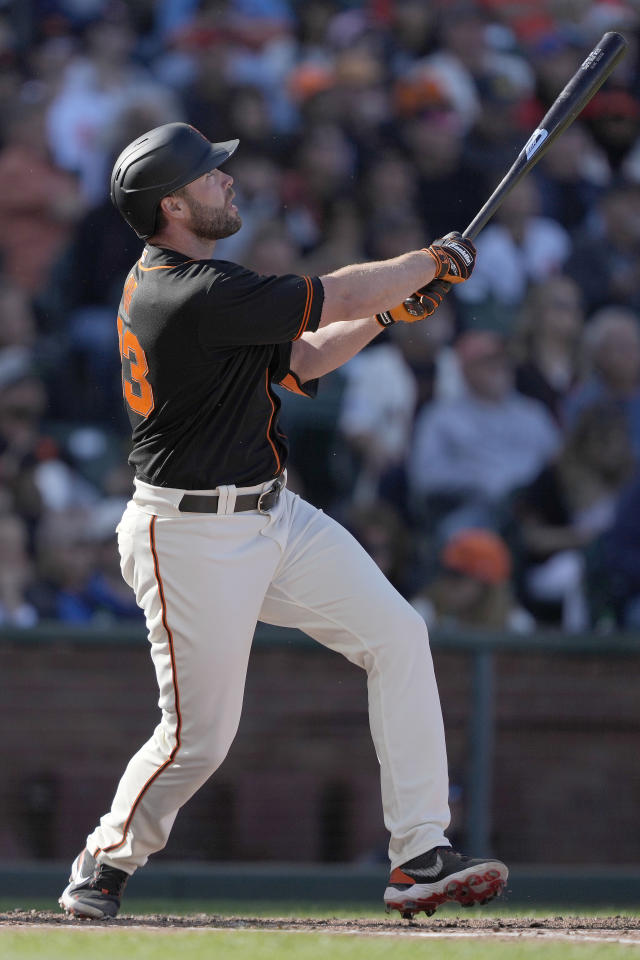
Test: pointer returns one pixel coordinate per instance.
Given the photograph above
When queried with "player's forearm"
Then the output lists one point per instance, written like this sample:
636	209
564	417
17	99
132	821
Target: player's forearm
315	354
364	289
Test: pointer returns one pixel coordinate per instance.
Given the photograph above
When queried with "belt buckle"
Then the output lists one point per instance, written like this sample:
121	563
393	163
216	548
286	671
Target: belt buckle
274	491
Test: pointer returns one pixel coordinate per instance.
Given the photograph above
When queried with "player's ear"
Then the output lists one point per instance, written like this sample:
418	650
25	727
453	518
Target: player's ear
174	206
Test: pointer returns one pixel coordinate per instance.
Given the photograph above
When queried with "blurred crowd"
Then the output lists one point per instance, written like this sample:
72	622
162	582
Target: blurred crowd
487	458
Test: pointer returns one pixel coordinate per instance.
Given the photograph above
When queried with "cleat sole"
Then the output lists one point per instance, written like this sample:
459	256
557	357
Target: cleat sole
473	888
79	911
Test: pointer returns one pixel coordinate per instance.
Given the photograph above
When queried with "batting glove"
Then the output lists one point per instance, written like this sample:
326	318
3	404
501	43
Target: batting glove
418	306
455	257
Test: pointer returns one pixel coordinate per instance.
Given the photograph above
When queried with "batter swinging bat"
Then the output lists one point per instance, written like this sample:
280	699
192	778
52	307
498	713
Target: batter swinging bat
586	81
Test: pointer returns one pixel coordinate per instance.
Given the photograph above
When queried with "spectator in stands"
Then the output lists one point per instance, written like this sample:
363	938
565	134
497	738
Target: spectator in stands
106	589
248	116
428	352
22	448
376	417
435	143
204	97
17	319
554	52
458	59
614	120
566	509
66	562
31	466
325	165
15	573
530	248
471	453
384	386
272	250
97	88
389	187
411	30
258	47
382	532
472	586
12	73
344	240
362	87
39	203
571	178
612	369
501	127
605	262
620	560
547	342
387	236
47	60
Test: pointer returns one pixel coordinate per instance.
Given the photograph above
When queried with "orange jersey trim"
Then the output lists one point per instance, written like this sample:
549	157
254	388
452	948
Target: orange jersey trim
290	383
273	411
307	308
173	266
176	693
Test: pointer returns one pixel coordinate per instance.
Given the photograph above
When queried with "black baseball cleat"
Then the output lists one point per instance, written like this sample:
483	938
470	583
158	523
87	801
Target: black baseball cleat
443	876
94	890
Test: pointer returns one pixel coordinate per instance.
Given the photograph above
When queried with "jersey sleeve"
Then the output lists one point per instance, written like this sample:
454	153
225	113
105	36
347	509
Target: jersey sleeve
242	308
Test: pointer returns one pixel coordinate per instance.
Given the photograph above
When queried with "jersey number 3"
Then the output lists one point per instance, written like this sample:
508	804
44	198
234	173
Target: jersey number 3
136	387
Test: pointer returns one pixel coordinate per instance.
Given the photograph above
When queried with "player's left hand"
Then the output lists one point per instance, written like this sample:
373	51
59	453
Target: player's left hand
418	306
455	257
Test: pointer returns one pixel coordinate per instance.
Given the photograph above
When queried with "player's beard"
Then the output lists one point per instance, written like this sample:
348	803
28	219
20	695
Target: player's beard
208	224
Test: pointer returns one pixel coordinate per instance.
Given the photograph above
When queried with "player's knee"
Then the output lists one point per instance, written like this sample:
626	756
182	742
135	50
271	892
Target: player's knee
209	755
200	752
409	635
210	751
413	625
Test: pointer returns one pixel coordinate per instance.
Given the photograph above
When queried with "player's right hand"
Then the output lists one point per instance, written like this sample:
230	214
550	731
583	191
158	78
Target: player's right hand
418	306
455	257
433	294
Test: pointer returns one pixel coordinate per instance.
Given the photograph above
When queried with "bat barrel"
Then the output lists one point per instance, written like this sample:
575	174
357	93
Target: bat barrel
584	84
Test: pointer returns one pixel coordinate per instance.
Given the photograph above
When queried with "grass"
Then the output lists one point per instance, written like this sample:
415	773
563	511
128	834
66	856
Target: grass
62	944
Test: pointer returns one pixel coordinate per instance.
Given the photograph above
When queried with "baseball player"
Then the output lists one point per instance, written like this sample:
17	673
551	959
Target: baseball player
212	541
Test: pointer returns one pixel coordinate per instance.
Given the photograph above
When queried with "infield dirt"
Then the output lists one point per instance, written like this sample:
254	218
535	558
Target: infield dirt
618	928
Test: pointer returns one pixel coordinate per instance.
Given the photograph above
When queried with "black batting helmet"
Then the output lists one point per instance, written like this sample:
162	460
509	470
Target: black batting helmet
157	163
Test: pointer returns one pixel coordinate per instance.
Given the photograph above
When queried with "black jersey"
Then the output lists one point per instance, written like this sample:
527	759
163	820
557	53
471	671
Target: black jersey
202	342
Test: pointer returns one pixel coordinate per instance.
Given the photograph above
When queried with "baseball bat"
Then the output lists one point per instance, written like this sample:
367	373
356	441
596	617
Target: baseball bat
585	82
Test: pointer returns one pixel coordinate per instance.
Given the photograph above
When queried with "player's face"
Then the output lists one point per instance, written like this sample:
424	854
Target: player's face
213	216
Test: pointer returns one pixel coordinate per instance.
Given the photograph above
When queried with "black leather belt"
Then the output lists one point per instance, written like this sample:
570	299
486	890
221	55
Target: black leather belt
205	503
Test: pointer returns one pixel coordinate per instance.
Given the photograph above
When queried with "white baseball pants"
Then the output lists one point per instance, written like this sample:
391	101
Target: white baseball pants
203	581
